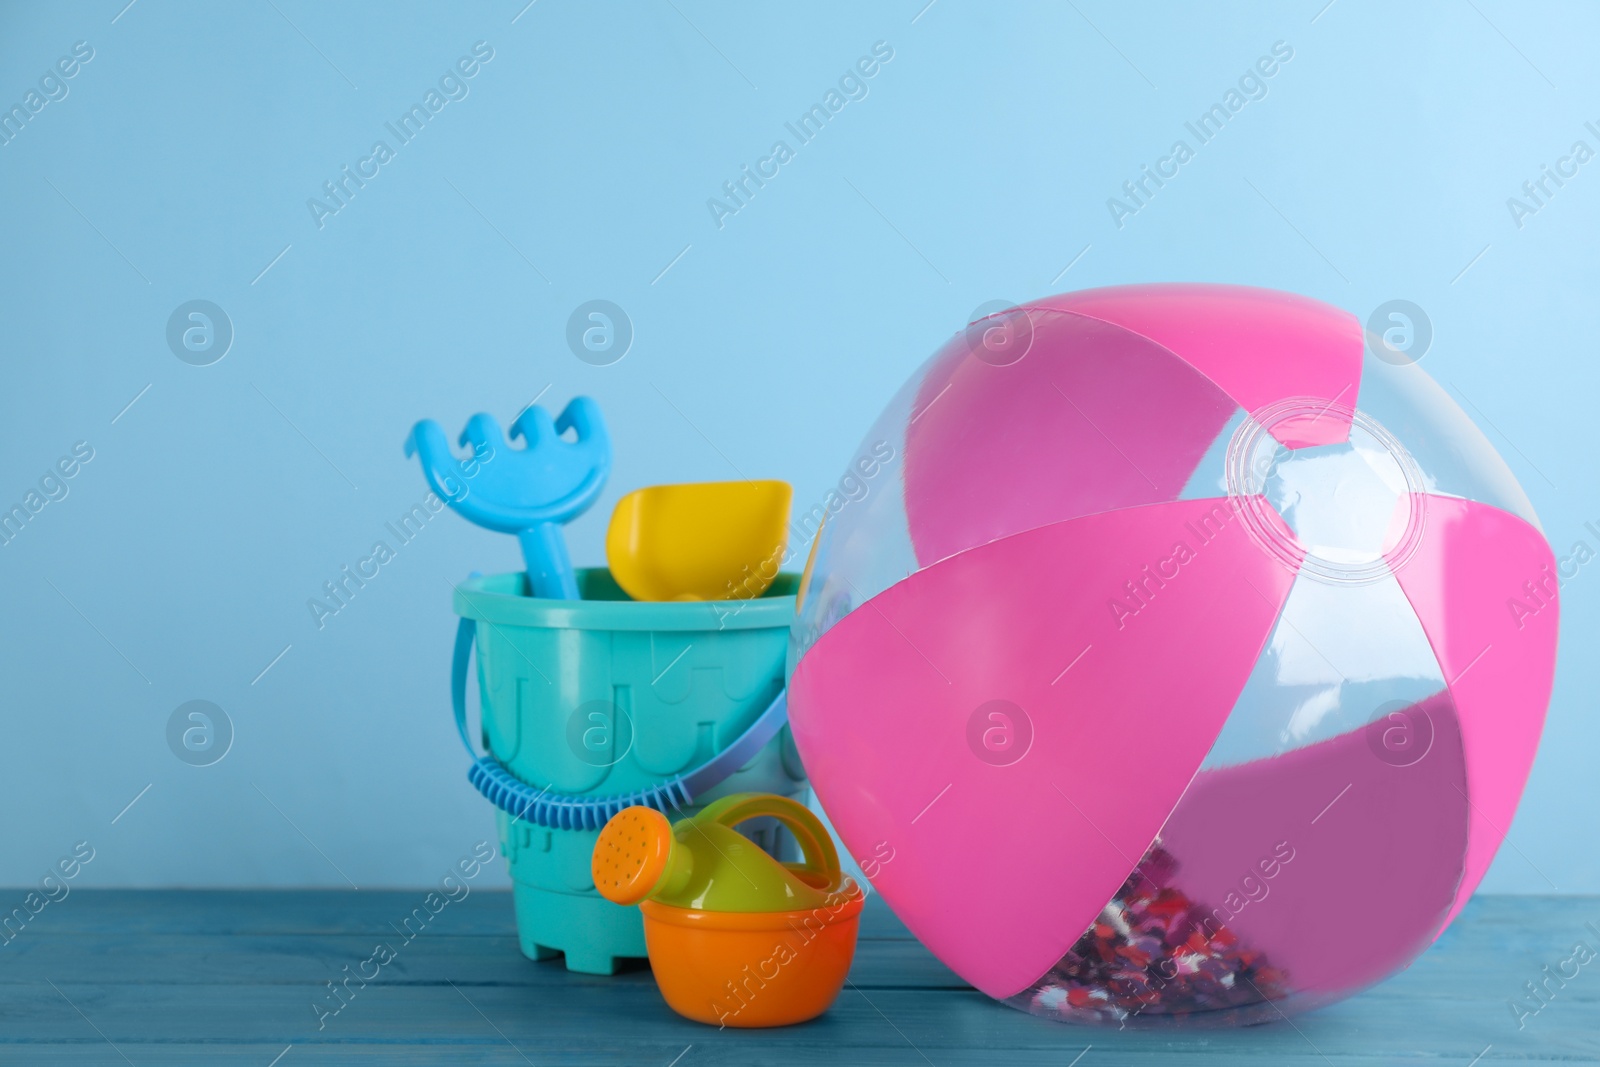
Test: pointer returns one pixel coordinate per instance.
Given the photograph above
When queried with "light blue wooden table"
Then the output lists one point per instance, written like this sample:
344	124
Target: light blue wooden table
158	977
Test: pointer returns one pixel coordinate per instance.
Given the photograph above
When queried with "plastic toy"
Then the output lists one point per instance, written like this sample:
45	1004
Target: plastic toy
529	492
1210	652
707	541
736	938
592	702
595	704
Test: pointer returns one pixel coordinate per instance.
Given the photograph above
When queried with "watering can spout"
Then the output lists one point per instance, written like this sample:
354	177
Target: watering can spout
703	863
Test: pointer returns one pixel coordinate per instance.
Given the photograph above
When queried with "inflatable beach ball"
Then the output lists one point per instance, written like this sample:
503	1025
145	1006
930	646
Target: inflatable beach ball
1188	659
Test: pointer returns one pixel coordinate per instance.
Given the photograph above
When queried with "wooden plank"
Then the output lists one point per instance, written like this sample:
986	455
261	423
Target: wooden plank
305	911
777	1053
189	978
303	959
264	911
633	1015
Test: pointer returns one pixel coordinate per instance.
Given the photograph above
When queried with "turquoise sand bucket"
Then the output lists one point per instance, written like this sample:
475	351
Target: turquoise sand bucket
590	705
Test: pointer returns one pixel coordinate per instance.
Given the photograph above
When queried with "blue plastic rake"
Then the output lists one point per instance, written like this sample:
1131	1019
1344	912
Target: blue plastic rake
530	492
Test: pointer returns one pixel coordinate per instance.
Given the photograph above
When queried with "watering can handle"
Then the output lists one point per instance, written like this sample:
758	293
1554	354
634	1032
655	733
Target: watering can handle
690	784
822	859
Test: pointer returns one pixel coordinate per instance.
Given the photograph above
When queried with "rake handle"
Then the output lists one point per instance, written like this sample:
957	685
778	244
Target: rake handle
544	552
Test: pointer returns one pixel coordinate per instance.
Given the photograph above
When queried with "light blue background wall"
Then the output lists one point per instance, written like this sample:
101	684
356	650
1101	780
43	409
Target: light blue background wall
978	167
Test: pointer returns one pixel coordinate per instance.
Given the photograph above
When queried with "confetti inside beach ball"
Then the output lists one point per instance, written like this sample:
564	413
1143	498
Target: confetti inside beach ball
1187	662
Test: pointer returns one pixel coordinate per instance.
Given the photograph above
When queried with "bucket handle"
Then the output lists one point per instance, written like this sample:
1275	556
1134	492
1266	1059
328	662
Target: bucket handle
565	812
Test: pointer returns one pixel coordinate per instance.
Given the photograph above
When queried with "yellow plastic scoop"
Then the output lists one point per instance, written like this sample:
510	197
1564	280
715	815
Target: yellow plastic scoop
705	541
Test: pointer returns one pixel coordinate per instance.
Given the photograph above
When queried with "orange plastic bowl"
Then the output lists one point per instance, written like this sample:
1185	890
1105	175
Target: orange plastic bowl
752	969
